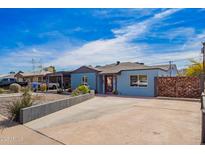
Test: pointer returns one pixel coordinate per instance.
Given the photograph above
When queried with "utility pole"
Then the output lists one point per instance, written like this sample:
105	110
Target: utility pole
170	68
33	65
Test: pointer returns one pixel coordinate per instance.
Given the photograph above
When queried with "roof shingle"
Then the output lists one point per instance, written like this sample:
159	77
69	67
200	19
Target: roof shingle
116	68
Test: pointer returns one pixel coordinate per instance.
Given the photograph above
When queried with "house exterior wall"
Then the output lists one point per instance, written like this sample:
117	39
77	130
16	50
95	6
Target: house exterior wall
122	82
124	88
76	80
100	86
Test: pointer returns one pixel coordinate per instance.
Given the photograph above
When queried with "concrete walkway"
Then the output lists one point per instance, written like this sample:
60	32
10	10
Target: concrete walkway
124	120
13	133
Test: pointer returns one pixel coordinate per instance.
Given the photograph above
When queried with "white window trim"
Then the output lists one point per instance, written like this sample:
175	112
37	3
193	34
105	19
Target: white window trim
84	83
138	81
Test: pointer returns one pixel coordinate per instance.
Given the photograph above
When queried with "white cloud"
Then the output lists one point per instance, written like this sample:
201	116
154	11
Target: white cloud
165	13
21	58
121	47
109	50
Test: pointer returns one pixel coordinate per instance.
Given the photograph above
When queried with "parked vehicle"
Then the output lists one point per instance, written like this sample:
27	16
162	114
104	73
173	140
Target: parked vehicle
4	82
53	85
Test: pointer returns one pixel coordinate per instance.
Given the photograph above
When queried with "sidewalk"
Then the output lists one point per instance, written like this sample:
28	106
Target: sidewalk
13	133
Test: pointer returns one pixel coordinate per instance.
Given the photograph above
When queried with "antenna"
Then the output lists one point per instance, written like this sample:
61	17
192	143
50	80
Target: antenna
40	65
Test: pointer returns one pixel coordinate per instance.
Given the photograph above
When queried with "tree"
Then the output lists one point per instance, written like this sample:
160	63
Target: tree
50	69
195	69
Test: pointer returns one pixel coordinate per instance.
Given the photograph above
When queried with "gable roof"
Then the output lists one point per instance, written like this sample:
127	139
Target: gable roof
86	69
29	74
116	68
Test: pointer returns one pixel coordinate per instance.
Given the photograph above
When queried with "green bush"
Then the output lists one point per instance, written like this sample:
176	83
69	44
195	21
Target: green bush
76	92
82	89
15	107
14	87
2	90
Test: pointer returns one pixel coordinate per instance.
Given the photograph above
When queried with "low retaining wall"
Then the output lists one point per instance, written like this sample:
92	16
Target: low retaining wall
38	111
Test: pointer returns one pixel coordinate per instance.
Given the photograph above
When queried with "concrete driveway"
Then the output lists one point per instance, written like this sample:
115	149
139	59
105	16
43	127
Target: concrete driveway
124	120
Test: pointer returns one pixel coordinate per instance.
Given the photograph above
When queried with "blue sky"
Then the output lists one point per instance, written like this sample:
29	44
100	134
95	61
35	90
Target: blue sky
69	38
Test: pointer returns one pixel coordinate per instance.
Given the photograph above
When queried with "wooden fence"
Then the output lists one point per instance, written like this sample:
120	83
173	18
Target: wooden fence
187	87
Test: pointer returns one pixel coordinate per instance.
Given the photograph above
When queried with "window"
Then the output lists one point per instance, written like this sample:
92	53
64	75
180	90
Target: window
134	80
142	80
138	80
85	80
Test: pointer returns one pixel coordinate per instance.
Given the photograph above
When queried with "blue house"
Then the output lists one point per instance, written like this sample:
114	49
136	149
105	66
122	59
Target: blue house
131	79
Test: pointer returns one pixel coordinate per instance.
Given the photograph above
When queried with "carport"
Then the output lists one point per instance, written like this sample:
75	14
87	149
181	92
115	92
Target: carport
61	77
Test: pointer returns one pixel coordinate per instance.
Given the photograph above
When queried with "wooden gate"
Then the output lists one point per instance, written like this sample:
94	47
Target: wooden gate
187	87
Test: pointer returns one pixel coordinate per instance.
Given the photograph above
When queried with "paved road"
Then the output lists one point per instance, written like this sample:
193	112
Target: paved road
121	120
13	133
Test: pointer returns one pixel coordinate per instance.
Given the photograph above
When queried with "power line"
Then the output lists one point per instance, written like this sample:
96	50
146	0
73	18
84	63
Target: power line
167	61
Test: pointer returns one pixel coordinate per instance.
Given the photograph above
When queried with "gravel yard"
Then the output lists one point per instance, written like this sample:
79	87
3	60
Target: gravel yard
39	98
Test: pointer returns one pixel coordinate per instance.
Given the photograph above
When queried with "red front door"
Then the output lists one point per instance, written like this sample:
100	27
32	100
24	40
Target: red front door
108	84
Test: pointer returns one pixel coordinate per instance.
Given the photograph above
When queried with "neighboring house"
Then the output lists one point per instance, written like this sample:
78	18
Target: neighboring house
133	79
32	76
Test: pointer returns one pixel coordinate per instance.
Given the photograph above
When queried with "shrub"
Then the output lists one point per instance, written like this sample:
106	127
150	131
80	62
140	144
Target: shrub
2	90
76	92
43	87
15	107
82	89
28	88
26	98
14	87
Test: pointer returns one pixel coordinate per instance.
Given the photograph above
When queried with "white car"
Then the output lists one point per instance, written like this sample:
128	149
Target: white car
53	85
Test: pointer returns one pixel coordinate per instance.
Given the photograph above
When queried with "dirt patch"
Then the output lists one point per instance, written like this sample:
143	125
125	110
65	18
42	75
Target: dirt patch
39	98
